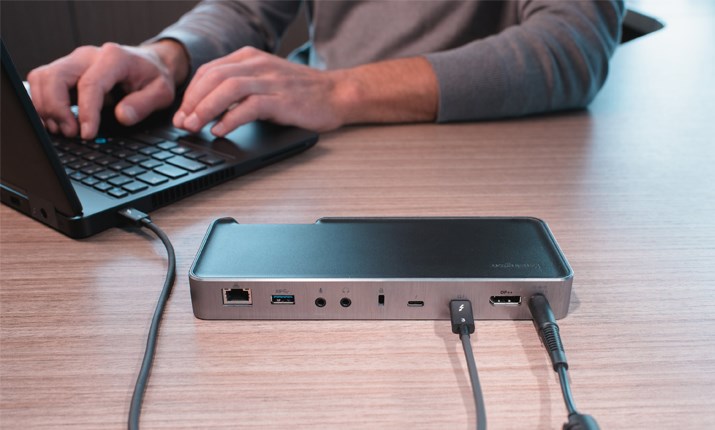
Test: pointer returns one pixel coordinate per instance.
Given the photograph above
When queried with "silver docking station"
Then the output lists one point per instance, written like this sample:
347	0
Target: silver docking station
378	268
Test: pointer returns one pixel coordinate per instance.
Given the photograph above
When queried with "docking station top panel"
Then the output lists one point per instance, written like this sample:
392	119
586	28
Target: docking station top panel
382	248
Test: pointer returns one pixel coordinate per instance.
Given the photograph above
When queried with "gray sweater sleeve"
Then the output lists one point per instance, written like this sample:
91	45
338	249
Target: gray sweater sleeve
555	58
215	28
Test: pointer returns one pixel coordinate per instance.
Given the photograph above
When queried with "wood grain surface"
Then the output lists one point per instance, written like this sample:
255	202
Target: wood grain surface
628	188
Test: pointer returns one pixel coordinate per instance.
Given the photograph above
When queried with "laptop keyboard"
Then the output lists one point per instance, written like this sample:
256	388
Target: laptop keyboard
121	166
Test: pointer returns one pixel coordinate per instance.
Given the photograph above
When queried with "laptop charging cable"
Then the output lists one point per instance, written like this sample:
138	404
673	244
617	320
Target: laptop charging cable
140	219
463	324
548	330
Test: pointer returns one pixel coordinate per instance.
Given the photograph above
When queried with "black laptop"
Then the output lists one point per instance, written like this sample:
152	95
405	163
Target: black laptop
78	186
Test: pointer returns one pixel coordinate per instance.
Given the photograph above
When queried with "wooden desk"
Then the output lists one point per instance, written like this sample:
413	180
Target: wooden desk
628	188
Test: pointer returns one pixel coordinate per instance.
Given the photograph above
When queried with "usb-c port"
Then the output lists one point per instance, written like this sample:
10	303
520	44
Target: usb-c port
415	303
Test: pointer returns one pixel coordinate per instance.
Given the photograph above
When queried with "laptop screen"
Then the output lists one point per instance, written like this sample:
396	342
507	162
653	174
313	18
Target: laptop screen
29	166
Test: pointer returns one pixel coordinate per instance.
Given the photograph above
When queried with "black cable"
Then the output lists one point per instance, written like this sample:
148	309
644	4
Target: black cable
566	390
463	323
142	219
548	330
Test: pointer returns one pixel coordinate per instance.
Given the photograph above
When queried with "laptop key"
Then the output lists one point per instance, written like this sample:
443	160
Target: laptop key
171	171
91	169
137	158
123	153
149	150
150	164
180	150
212	160
167	145
93	156
117	192
133	171
78	165
106	160
64	146
103	186
66	159
106	175
134	145
185	163
78	176
162	155
152	178
121	165
90	181
135	186
110	149
120	180
195	155
79	151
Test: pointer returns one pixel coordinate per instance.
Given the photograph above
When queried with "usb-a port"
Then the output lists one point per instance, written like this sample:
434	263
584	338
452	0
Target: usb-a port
283	299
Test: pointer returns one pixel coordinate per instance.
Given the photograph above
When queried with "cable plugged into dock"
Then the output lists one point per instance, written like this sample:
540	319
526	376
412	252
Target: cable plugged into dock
548	330
462	317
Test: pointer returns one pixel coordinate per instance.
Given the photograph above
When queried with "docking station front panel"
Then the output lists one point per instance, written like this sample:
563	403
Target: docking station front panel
378	268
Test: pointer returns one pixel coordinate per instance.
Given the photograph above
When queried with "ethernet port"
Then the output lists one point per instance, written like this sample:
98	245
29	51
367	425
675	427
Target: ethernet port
237	296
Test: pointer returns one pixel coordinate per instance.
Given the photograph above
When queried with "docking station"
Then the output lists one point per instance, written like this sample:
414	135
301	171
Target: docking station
378	268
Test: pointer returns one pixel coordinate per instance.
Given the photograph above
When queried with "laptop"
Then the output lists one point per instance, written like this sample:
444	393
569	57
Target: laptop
77	187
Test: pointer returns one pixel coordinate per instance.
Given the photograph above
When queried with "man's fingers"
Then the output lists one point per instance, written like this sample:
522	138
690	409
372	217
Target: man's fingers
138	105
252	108
51	125
56	99
246	61
110	67
221	98
50	85
202	85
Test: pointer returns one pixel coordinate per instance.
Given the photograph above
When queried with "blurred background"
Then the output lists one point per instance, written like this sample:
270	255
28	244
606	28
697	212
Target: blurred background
37	32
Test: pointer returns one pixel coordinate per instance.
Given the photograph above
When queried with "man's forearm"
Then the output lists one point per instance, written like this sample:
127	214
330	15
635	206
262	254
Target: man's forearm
556	58
403	90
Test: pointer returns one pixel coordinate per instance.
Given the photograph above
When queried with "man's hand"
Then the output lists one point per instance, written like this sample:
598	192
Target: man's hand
148	75
250	85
